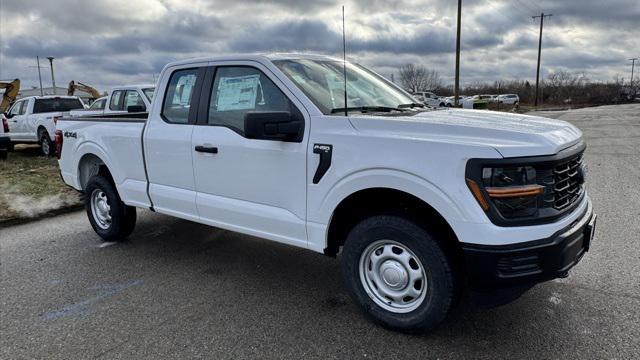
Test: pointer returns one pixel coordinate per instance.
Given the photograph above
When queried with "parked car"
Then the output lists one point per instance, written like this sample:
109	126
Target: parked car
119	100
32	119
429	98
5	140
418	201
509	99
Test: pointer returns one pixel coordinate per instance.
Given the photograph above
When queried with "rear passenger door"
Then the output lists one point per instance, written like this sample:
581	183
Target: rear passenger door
167	142
253	186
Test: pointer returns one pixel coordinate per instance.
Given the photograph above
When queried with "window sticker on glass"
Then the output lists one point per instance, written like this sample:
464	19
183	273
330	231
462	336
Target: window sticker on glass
237	93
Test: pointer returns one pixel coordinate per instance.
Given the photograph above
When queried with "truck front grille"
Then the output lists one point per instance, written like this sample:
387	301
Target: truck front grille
564	183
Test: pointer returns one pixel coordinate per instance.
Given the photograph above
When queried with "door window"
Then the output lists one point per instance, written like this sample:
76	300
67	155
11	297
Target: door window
177	98
132	98
238	90
116	100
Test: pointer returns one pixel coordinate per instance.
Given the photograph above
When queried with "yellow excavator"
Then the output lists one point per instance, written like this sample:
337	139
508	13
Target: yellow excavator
73	86
10	93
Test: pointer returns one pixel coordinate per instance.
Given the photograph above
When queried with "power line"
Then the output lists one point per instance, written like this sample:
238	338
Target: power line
541	16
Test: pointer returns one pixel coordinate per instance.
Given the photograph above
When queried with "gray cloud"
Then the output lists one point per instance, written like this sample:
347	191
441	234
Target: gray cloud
107	42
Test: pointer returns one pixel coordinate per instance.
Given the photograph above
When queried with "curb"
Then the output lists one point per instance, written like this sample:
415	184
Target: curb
18	221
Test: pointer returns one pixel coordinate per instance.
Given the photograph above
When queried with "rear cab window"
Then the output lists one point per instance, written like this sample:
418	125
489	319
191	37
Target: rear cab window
178	96
56	105
116	100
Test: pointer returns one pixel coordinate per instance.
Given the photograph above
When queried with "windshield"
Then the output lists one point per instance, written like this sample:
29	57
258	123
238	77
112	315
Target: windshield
323	82
148	92
56	105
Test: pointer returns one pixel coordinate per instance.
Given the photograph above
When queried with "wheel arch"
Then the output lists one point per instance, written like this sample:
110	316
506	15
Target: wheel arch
389	201
90	165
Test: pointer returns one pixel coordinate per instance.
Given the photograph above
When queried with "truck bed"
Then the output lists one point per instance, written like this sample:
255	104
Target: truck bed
119	138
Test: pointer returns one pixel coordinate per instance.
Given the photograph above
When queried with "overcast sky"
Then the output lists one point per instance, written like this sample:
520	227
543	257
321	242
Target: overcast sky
110	42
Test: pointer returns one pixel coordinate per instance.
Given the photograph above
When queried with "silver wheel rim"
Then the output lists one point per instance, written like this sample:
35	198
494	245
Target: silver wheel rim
393	276
100	209
45	146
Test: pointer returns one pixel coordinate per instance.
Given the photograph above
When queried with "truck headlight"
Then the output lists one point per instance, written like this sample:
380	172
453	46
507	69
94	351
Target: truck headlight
512	190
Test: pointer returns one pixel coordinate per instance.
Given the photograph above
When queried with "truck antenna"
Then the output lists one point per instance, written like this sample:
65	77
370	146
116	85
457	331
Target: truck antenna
344	65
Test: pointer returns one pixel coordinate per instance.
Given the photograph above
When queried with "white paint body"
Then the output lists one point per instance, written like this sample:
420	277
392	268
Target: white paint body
24	127
264	188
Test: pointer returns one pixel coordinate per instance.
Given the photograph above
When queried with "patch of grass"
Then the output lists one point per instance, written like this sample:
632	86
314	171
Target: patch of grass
30	184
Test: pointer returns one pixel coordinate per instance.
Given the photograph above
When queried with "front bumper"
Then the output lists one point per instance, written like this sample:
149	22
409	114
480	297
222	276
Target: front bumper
522	265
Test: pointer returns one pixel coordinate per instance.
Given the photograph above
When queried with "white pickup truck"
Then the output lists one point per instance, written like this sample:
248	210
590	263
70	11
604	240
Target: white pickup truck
419	202
120	100
33	119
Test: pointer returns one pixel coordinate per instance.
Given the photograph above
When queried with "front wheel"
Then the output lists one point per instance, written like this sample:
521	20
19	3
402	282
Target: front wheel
110	218
398	273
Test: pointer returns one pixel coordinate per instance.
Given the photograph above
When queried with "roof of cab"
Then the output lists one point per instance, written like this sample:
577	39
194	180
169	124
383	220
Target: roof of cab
49	97
255	57
133	86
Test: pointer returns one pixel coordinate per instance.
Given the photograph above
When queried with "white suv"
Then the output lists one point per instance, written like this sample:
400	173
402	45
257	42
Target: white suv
509	99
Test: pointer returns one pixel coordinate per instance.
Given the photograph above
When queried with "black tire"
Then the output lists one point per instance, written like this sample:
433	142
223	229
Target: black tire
122	217
3	154
439	294
46	145
11	147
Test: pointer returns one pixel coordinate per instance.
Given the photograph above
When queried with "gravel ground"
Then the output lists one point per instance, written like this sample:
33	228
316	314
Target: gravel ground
183	290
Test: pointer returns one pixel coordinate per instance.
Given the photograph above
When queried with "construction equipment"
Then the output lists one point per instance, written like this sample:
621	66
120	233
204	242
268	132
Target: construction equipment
73	86
10	93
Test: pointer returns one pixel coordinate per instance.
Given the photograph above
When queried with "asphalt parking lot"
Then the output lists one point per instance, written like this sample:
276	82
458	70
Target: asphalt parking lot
182	290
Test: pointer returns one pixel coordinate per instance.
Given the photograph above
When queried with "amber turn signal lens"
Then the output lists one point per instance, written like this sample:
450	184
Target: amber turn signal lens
477	193
514	191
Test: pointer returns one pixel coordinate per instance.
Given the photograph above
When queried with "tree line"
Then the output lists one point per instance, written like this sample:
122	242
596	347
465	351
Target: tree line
562	87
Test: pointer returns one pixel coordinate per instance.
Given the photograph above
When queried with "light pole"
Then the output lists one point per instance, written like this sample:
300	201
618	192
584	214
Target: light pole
53	79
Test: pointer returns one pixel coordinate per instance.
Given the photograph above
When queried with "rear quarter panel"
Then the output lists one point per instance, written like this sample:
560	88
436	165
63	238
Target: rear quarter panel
117	143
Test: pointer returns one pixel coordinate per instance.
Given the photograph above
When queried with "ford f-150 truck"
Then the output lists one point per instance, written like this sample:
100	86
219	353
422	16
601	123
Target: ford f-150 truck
119	101
32	119
420	203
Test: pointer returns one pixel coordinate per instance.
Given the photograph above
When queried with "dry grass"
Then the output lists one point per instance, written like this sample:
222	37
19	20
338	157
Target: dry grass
30	185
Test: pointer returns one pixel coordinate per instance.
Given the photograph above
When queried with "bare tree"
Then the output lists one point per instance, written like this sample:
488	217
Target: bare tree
419	78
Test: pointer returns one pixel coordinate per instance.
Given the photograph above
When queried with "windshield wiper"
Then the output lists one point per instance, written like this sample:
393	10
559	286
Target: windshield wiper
365	109
411	105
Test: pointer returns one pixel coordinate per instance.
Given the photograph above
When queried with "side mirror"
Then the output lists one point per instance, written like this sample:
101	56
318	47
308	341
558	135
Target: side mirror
273	125
136	108
8	115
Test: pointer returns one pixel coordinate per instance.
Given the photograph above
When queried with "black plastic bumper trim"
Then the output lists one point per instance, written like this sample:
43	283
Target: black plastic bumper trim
502	266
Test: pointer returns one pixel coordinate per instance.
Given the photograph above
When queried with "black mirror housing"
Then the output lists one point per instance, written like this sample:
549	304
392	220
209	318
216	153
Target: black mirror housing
273	125
136	108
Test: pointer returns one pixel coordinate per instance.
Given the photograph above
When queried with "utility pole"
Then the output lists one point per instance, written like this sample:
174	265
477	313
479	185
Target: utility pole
53	79
633	65
39	75
541	16
456	90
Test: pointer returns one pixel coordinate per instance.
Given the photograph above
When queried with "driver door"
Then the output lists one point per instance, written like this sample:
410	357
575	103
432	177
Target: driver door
254	186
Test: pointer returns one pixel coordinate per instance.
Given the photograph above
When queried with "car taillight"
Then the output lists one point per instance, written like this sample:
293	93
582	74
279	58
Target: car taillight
58	143
5	124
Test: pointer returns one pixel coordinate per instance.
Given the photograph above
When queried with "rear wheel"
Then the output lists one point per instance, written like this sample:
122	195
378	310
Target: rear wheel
46	145
111	219
397	272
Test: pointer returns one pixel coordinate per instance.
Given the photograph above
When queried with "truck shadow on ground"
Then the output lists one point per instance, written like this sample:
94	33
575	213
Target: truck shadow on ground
270	286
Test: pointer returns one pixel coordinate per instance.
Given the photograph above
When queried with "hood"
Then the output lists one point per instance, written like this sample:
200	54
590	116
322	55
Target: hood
512	135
